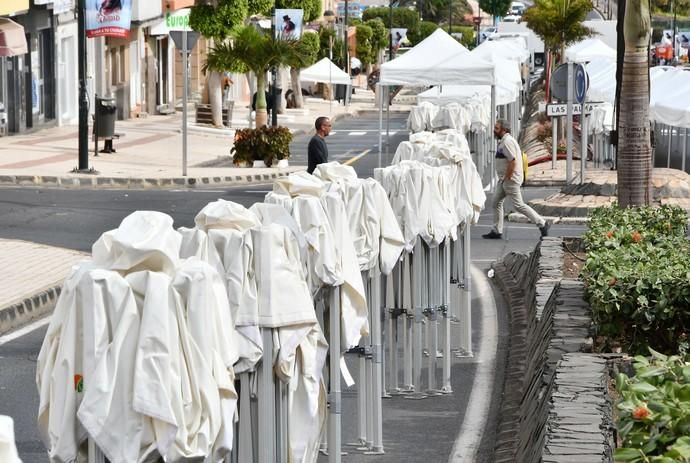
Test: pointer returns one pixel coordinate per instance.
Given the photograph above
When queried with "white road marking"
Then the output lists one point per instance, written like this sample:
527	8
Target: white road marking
357	134
24	331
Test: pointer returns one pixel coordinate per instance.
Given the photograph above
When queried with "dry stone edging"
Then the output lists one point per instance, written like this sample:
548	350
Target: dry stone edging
549	321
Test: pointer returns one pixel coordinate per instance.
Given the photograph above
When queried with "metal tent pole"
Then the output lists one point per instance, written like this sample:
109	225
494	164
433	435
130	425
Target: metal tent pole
266	401
685	145
447	388
335	410
380	89
377	353
492	141
669	131
417	302
244	444
408	305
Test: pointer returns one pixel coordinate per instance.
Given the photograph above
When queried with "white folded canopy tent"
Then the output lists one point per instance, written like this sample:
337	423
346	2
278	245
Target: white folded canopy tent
438	60
445	94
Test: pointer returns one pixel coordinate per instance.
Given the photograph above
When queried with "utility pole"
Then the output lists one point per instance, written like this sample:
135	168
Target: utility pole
390	30
83	96
346	63
450	17
274	76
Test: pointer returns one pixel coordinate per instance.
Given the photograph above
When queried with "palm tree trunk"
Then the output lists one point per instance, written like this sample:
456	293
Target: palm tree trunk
634	144
296	87
261	113
215	96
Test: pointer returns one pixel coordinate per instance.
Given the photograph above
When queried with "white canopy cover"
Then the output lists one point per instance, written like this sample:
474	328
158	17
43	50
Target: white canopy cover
589	50
463	93
325	71
669	102
438	59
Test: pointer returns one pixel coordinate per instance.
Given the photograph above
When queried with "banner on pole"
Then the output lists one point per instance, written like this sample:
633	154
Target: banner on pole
108	18
288	24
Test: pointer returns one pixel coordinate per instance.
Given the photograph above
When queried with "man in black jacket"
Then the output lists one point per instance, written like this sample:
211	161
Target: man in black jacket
317	152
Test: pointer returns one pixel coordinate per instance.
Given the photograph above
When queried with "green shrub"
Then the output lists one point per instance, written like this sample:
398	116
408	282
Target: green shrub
637	276
266	144
468	39
425	29
402	17
654	411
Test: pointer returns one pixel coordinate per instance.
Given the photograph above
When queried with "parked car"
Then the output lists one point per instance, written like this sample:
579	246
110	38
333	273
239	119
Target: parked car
511	19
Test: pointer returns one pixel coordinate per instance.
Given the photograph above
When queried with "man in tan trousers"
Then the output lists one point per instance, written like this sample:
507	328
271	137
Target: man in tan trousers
510	177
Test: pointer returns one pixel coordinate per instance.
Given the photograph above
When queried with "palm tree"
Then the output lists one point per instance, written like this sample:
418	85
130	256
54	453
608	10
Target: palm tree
634	144
559	24
256	52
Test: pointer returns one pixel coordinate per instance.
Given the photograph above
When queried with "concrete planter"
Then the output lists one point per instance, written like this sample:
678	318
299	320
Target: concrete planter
282	164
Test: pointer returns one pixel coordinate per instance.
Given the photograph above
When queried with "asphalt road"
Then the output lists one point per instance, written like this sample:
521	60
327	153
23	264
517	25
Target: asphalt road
415	431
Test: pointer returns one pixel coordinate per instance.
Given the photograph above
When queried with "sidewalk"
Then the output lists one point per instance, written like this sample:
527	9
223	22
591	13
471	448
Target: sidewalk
32	275
149	154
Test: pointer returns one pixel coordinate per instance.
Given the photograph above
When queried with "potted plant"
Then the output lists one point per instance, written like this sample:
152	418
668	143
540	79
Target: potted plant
263	145
243	148
276	142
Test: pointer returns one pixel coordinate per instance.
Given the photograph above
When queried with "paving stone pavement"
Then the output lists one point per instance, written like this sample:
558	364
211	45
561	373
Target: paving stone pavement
32	275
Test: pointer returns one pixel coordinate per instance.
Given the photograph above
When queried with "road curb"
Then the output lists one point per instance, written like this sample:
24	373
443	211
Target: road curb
516	217
127	183
29	309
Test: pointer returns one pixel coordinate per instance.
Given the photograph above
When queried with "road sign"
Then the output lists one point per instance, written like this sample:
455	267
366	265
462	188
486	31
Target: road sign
581	83
192	38
561	109
559	82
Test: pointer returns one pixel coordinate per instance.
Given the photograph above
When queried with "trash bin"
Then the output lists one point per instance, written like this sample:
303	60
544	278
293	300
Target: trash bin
106	113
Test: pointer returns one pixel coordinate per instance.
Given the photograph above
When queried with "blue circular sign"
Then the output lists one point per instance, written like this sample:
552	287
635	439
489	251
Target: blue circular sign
581	83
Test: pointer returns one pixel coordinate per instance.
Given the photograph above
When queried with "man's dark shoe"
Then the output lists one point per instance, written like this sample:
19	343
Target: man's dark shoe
544	229
493	235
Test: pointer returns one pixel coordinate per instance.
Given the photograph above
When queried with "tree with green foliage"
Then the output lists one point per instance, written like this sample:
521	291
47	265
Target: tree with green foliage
308	53
425	29
559	22
364	50
258	52
496	8
402	17
216	22
311	8
379	37
260	7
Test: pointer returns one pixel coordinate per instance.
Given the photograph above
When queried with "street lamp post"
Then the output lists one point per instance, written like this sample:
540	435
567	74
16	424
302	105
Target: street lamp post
83	96
274	77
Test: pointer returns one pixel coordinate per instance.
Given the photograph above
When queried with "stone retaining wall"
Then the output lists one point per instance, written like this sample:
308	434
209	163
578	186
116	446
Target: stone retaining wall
549	320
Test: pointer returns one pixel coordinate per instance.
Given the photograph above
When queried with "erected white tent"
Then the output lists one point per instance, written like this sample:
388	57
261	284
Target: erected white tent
669	103
589	50
602	80
425	63
325	71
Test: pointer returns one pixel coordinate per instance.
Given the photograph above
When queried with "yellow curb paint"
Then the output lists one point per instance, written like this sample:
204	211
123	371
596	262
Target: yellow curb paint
351	161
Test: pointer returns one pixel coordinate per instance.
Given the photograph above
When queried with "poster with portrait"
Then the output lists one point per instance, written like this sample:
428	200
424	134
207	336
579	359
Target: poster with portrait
288	24
398	36
684	39
108	18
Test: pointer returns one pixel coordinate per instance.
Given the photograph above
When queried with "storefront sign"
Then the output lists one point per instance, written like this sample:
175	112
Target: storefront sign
13	6
108	18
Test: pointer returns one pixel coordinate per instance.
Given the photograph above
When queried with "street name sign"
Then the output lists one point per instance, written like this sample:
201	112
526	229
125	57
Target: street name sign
561	109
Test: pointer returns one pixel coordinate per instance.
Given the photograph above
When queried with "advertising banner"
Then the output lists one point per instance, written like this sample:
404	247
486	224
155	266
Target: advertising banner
288	24
108	18
398	36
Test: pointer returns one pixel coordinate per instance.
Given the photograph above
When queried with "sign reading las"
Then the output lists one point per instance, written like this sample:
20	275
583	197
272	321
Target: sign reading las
561	109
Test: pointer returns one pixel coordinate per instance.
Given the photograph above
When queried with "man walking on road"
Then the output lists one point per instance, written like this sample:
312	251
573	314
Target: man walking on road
317	152
510	176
